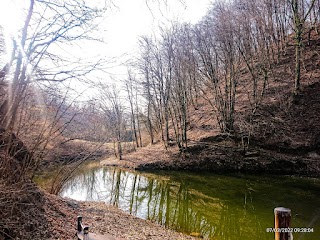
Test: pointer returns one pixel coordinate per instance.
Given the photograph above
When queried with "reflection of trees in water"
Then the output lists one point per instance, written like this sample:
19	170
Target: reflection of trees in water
150	194
177	206
169	203
229	224
132	195
115	191
85	181
218	208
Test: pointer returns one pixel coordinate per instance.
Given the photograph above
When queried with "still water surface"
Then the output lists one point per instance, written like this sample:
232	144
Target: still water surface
218	207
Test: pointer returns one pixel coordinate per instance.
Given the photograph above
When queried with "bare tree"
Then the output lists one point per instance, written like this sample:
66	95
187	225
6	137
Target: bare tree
131	96
219	63
39	65
34	54
144	67
255	38
300	11
112	107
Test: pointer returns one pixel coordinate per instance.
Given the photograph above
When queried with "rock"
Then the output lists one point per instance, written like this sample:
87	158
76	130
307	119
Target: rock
73	204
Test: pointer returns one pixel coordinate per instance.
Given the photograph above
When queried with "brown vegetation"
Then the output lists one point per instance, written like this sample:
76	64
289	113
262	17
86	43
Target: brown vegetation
28	213
282	136
236	92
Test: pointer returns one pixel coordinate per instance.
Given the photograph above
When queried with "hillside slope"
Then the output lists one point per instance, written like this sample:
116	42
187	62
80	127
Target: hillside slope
281	137
280	119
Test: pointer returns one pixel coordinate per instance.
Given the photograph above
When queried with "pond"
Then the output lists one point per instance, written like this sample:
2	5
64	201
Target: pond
237	207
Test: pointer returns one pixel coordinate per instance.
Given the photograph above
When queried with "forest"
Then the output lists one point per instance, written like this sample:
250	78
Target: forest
238	91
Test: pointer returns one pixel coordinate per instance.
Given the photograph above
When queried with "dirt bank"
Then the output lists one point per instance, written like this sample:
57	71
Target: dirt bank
29	213
223	154
102	219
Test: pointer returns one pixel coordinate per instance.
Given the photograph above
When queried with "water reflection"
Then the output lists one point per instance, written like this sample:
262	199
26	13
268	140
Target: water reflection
217	207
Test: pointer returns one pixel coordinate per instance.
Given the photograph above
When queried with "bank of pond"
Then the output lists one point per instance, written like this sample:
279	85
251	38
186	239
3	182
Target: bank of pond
233	207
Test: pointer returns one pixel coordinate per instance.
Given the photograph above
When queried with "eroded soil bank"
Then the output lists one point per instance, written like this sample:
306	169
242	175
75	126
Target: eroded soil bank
223	154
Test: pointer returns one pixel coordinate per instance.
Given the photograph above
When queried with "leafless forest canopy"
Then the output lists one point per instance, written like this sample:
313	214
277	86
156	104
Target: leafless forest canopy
246	73
226	61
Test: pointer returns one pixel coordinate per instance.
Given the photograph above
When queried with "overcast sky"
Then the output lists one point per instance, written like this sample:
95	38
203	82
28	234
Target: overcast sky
129	19
124	22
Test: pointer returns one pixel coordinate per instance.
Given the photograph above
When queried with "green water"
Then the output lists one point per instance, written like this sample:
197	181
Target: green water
218	207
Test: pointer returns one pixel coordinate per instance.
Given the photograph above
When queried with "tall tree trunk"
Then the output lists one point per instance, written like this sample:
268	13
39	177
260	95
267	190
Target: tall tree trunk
138	122
299	18
298	60
150	124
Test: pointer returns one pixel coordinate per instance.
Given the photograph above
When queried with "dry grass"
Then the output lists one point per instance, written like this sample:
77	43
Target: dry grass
277	105
22	213
148	154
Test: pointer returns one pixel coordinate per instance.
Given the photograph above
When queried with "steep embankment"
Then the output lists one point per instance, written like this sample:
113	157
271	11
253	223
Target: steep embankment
282	136
280	119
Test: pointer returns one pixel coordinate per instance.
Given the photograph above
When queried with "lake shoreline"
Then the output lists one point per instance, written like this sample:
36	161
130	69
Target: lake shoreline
222	157
173	198
103	219
49	216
